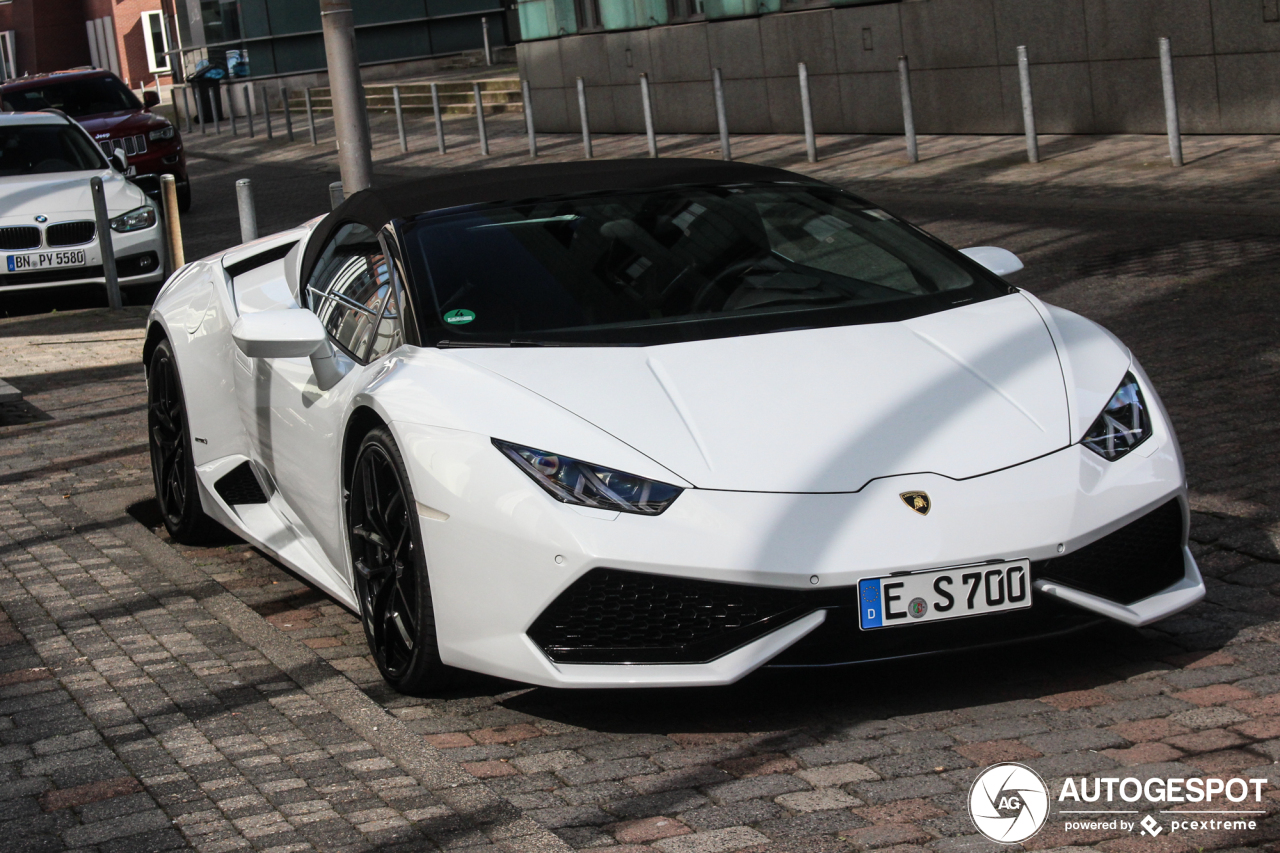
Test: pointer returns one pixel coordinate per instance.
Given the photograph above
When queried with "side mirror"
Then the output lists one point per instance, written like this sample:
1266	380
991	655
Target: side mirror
999	261
150	98
289	333
119	160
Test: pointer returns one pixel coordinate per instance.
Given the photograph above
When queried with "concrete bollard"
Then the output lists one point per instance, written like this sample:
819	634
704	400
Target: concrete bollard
908	114
484	31
172	224
247	91
186	105
248	215
105	246
528	118
484	136
288	116
582	117
647	105
721	120
215	100
231	108
806	110
1170	103
435	108
1028	106
266	112
336	195
404	140
311	116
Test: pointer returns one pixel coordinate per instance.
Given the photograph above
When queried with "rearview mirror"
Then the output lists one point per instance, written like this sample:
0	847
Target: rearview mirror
150	99
119	160
999	261
286	333
290	333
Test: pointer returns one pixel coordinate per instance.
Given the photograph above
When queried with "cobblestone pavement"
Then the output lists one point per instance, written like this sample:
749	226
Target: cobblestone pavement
122	725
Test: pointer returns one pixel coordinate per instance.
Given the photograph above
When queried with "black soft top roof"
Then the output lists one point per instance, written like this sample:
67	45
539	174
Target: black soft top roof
377	206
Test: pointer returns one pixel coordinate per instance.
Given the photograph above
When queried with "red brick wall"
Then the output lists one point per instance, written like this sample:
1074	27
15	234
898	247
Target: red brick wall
48	34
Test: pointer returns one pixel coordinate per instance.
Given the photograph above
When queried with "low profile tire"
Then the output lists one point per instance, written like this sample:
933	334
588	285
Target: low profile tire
391	569
172	467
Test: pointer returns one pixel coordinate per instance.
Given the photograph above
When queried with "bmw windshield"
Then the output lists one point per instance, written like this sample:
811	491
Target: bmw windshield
37	149
676	264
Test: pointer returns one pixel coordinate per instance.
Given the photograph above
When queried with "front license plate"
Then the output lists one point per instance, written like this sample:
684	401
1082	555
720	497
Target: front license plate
944	594
46	260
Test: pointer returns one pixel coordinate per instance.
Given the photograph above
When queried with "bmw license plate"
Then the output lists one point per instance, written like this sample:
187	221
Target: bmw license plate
46	260
929	596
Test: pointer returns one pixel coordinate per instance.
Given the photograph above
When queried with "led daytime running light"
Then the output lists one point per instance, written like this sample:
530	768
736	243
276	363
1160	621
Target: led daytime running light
1123	424
579	483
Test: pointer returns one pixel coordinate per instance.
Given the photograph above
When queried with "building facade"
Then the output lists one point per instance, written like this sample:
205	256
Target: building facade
1094	64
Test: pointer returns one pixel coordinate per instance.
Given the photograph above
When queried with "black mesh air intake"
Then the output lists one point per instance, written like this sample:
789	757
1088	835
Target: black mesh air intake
1129	564
69	233
614	616
143	263
20	237
239	486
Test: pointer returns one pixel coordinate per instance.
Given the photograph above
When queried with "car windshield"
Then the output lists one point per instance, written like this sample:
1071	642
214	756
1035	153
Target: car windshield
677	264
85	97
35	149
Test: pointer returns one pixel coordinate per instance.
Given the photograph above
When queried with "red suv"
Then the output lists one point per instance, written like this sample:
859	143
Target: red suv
114	117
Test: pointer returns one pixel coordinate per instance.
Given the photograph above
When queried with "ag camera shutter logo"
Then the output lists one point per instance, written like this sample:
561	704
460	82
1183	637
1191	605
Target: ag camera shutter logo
1009	802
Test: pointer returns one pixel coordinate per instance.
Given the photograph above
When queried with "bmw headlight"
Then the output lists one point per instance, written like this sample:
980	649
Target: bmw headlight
165	132
573	481
1123	424
134	220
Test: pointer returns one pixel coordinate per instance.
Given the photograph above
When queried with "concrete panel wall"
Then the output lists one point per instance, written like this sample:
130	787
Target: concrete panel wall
1094	68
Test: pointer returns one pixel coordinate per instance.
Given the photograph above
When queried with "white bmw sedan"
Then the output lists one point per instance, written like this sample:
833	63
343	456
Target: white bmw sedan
659	423
47	228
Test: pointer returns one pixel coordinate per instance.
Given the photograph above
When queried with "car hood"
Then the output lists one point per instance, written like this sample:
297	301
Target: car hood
117	124
59	194
959	393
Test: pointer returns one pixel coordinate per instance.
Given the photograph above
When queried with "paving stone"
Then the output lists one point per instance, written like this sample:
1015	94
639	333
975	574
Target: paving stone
1208	718
758	786
1075	740
910	787
837	774
734	814
816	801
885	835
714	841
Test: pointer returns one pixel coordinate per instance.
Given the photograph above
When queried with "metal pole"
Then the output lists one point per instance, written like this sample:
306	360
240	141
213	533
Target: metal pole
200	109
105	245
266	111
806	108
288	116
186	105
908	115
335	195
404	140
582	114
484	137
1170	103
248	216
528	119
647	104
484	26
311	116
1028	106
172	225
355	147
248	108
215	102
231	104
718	86
435	107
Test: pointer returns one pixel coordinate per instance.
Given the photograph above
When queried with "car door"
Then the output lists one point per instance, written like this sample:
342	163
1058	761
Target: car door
300	424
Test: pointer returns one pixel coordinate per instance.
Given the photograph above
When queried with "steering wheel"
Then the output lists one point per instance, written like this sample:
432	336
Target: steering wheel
733	269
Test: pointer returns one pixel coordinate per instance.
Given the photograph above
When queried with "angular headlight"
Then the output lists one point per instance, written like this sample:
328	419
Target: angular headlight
1123	424
161	133
134	220
573	481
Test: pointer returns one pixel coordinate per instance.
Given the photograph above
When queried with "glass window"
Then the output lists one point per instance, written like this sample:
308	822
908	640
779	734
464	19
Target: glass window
221	20
157	39
682	263
349	290
86	97
42	148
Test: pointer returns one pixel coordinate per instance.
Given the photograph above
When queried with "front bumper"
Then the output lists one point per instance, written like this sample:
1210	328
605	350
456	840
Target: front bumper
140	259
501	552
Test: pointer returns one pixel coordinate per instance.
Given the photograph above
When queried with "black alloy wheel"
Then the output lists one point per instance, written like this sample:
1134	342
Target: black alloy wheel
172	467
390	569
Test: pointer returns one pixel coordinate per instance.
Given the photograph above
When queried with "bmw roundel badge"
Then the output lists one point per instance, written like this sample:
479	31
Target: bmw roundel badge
41	218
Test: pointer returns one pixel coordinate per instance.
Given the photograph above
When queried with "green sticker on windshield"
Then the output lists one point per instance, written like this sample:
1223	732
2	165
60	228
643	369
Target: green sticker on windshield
458	316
